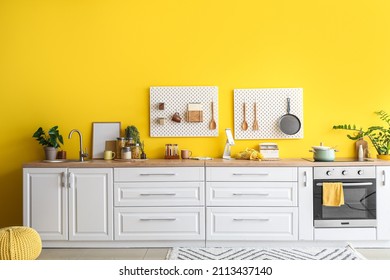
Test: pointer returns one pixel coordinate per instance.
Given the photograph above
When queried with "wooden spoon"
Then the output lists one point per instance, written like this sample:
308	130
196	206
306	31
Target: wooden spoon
212	124
244	125
255	122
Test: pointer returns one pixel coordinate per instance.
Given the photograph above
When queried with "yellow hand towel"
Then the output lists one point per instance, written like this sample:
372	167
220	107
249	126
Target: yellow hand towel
332	194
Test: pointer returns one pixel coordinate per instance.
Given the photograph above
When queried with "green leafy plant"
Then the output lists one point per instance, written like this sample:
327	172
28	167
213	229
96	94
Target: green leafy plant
52	139
132	132
379	135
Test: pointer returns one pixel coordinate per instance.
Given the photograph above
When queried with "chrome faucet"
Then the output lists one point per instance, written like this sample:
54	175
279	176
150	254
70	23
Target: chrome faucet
82	154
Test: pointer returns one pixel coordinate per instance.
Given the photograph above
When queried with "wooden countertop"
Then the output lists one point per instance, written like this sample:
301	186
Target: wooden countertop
199	163
294	162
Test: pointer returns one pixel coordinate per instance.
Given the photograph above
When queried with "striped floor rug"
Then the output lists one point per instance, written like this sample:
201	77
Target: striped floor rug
304	253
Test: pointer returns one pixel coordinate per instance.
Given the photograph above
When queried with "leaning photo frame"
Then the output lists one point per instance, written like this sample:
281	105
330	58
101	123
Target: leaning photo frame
102	132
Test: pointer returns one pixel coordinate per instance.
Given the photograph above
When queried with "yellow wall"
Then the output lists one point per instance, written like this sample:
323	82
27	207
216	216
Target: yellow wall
71	63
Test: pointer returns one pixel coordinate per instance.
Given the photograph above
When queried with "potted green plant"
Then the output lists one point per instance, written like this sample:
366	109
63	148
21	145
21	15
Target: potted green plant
133	133
378	135
50	141
143	155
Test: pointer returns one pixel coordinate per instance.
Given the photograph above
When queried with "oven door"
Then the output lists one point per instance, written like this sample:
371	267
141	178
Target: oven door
359	209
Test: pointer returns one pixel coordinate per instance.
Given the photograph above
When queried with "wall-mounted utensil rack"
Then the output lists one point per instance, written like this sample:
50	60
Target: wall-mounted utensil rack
166	101
271	105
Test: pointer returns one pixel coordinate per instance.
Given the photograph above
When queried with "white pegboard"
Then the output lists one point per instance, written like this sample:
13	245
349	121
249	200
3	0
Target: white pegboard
271	106
176	99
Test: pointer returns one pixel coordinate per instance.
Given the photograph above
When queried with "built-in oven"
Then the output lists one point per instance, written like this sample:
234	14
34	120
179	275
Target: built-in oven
359	187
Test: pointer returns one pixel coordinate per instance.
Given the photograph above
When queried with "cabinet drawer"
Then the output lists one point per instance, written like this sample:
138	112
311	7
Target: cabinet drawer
250	223
159	223
159	194
254	174
159	174
251	194
349	234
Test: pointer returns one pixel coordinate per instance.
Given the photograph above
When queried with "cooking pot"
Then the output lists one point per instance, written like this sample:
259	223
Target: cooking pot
323	153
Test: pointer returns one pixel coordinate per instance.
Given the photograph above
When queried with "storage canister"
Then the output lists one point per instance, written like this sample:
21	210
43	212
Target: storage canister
126	153
120	143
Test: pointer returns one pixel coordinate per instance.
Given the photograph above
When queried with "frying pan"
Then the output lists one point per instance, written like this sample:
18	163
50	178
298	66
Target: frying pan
289	124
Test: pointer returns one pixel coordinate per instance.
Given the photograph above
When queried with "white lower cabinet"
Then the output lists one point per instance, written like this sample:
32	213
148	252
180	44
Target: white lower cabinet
45	202
251	204
305	202
382	202
182	206
159	204
69	204
90	204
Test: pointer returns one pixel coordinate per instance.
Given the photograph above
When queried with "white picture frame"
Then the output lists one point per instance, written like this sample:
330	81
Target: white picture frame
102	132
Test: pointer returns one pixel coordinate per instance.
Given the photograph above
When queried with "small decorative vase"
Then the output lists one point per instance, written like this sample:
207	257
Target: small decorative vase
143	155
50	153
383	157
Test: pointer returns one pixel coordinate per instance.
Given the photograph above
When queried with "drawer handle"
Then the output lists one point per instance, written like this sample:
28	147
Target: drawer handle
251	219
250	174
150	194
157	219
157	174
261	194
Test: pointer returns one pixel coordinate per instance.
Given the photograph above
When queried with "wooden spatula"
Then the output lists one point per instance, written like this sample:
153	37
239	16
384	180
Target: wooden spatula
255	122
212	124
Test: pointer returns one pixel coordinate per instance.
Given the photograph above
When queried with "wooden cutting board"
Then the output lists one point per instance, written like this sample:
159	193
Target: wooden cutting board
365	148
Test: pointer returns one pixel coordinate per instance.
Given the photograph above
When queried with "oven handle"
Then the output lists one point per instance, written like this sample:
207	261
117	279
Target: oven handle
351	184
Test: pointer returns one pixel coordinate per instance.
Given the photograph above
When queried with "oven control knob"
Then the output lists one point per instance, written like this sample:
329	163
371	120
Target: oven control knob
344	172
360	172
328	172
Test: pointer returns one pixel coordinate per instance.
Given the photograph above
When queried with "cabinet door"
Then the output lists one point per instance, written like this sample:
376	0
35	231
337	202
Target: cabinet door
382	202
45	202
305	203
90	204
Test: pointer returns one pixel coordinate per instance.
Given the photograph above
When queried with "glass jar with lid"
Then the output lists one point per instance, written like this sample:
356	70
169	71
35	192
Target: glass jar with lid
120	143
135	151
130	142
126	153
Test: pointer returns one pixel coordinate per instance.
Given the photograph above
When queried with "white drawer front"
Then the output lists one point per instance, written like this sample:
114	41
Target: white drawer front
251	194
159	174
159	223
345	234
249	223
159	194
254	174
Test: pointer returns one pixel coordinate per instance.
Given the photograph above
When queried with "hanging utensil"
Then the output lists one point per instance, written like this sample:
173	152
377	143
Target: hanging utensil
212	124
255	122
244	125
289	124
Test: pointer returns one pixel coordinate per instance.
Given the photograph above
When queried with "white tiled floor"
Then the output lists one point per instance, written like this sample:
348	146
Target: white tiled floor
375	254
104	254
153	254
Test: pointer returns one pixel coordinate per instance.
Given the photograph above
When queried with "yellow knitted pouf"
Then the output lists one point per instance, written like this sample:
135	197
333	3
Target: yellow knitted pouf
19	243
